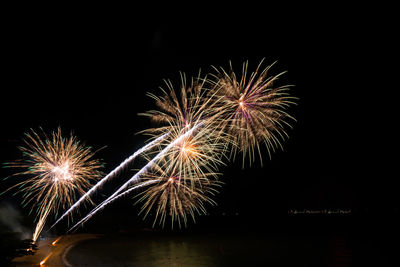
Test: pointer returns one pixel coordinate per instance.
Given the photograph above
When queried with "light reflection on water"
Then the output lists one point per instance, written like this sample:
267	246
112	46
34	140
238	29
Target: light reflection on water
173	253
146	251
149	249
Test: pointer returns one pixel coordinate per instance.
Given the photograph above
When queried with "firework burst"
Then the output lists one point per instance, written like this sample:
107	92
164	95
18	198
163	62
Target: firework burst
109	176
199	153
57	168
178	110
199	124
122	190
176	195
252	109
205	147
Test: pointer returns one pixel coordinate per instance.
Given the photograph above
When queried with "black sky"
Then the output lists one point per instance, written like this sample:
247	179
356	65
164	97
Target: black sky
90	72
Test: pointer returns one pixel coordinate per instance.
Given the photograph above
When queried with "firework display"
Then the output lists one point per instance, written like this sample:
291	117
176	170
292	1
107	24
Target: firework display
139	174
179	110
201	125
253	109
58	169
176	195
112	174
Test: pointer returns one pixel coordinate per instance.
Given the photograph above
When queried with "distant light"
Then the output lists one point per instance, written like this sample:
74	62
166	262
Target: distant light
55	241
45	259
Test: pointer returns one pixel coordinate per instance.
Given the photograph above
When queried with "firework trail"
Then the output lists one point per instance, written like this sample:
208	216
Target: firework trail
111	175
143	184
198	125
239	113
187	149
41	222
58	168
178	111
196	153
253	109
148	182
141	172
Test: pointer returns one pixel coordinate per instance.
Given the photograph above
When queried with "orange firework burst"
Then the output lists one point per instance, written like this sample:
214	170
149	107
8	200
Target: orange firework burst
252	109
205	147
177	196
58	169
199	153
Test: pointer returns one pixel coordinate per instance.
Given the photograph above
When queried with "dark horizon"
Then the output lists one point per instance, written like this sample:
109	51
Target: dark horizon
92	78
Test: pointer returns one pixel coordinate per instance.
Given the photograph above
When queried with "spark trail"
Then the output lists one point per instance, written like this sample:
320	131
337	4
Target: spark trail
112	199
41	222
112	174
138	174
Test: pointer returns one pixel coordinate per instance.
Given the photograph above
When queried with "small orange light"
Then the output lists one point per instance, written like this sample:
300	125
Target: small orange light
45	259
55	241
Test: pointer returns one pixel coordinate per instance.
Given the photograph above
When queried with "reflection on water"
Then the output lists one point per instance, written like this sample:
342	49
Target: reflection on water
144	250
150	249
172	253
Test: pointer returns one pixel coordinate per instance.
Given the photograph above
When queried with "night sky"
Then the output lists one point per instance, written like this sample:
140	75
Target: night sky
90	74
